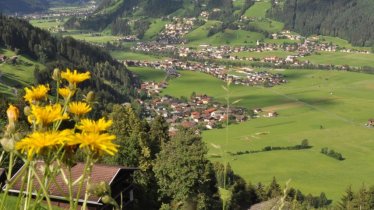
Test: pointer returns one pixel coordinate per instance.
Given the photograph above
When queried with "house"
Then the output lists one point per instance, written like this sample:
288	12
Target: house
2	58
119	179
272	114
370	123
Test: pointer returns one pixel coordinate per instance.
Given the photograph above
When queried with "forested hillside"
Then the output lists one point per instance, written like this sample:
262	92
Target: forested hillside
347	19
22	6
111	81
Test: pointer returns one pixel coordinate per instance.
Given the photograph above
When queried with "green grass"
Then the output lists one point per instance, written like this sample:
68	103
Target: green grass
341	42
238	3
202	31
156	27
126	55
88	37
304	104
230	37
279	53
46	24
18	75
268	25
258	10
340	58
149	74
281	41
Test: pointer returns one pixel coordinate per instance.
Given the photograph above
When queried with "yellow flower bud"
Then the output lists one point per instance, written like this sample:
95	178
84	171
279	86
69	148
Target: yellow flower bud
56	74
27	110
90	97
12	113
8	144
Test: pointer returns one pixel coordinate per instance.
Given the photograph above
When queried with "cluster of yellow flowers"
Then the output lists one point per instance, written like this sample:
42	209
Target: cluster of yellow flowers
47	137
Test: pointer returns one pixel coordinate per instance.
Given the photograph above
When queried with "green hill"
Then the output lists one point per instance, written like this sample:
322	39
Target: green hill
22	6
347	19
111	81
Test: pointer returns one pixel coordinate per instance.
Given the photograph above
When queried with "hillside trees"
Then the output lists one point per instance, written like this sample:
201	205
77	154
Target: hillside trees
68	52
186	178
347	19
138	149
156	8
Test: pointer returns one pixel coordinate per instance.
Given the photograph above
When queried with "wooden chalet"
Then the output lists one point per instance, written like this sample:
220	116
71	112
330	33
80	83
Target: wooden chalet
117	177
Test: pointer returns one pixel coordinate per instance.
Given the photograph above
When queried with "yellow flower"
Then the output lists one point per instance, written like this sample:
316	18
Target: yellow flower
74	77
38	142
36	93
79	108
65	92
87	125
97	143
46	115
12	113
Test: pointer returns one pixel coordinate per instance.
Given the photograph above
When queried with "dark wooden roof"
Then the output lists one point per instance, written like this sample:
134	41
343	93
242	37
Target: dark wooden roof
59	190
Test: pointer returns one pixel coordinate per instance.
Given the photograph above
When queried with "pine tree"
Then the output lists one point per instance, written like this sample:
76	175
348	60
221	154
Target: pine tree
347	199
274	189
158	134
184	174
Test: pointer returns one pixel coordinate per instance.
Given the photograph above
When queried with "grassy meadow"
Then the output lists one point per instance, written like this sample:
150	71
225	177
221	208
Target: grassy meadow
149	74
127	55
16	76
341	58
277	53
310	100
228	37
258	10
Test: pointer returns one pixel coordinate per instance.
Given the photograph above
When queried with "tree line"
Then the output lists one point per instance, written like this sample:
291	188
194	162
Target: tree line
347	19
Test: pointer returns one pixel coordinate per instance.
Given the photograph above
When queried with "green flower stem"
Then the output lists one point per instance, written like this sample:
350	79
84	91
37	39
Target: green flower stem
45	192
87	167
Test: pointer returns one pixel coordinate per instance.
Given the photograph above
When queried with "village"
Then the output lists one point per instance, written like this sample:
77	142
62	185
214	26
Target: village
245	76
199	111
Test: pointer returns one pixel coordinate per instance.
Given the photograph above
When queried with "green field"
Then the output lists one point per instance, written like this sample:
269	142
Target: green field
16	76
278	53
126	55
268	25
149	74
156	27
340	58
230	37
89	37
309	100
47	23
258	10
202	31
341	42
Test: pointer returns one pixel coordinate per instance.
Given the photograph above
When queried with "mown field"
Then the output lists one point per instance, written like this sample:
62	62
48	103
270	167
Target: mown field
311	100
340	58
17	75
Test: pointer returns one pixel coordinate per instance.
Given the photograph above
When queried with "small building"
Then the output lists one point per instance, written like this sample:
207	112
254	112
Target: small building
117	177
370	123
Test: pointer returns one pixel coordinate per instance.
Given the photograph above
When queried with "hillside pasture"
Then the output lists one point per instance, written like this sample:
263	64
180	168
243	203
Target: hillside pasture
230	37
16	76
341	58
314	105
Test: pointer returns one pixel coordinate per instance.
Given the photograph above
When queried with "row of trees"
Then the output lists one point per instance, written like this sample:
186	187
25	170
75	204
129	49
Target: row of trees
332	153
362	199
348	19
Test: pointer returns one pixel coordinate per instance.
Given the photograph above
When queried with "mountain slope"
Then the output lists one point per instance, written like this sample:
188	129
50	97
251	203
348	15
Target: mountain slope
111	81
347	19
22	6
